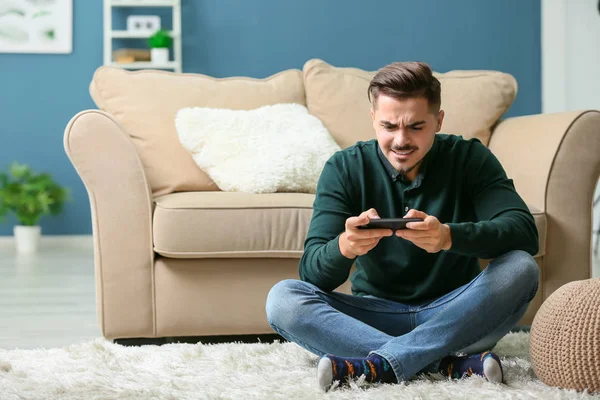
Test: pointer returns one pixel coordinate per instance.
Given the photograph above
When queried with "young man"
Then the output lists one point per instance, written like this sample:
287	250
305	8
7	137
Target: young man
419	296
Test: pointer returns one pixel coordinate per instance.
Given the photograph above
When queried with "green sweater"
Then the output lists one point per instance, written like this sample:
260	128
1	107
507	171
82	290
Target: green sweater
460	182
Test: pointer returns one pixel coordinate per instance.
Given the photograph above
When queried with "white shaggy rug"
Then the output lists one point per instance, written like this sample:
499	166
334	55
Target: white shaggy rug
103	370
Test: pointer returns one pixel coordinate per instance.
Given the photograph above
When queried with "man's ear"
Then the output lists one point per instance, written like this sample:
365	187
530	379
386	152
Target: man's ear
372	114
440	119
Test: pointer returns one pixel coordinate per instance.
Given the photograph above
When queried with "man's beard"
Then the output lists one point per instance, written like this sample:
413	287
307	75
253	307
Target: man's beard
404	171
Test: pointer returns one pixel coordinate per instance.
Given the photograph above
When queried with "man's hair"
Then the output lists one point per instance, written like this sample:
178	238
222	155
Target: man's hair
402	80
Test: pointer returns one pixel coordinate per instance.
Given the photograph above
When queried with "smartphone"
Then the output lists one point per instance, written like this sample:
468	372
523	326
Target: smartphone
389	223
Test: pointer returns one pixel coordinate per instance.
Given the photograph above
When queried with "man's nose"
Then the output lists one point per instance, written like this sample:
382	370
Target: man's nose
402	138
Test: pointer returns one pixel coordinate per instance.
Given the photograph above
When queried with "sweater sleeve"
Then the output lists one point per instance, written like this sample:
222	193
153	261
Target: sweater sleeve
322	263
504	220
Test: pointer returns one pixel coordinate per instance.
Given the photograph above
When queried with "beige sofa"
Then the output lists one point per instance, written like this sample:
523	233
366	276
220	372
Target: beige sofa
174	256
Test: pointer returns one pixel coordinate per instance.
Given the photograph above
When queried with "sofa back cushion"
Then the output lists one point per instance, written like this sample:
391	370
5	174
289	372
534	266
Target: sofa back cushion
472	100
146	102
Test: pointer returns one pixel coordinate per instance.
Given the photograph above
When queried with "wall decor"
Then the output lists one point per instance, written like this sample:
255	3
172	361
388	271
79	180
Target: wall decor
36	26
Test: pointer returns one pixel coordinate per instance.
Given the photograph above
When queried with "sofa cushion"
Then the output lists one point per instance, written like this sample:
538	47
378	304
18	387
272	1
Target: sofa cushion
231	224
238	225
145	103
275	148
473	101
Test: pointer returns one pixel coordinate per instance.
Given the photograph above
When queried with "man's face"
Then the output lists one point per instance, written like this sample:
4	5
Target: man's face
405	131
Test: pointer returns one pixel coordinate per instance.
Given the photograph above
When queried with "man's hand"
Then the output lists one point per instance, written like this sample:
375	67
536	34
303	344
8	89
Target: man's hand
430	235
356	242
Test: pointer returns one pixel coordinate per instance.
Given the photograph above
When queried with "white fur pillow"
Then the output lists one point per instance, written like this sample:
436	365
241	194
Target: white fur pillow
272	148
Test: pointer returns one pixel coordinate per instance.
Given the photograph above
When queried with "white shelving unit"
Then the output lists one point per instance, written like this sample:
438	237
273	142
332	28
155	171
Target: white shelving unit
110	34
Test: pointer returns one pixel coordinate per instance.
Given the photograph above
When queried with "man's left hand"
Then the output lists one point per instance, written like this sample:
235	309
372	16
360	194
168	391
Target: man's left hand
430	235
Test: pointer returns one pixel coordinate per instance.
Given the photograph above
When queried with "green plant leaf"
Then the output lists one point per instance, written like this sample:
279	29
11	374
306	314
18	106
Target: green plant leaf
42	13
160	39
20	13
30	195
50	34
3	212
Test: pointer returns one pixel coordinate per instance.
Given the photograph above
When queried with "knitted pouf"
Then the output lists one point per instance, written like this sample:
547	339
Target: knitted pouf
565	337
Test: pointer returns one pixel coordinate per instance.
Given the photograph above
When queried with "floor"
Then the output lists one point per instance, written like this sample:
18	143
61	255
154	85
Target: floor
48	300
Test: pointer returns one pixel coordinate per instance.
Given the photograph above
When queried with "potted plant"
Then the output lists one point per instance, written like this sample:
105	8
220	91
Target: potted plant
160	42
30	196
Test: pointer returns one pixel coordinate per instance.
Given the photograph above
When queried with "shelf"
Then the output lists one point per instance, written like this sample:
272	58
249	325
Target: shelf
143	65
143	3
136	35
110	33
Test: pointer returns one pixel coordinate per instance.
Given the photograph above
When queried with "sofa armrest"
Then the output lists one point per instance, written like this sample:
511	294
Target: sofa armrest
554	160
121	205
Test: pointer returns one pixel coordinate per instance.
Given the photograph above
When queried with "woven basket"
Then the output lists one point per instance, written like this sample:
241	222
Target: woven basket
565	337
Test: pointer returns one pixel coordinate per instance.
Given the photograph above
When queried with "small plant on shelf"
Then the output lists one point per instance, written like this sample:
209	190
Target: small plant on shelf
160	39
159	43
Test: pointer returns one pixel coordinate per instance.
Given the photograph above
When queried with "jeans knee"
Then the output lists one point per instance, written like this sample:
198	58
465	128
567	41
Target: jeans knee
529	270
523	271
282	301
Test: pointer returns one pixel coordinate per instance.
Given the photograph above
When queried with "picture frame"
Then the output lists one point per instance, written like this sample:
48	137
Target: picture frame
36	26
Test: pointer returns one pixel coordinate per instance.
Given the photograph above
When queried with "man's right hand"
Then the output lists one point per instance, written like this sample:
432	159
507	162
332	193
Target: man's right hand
356	242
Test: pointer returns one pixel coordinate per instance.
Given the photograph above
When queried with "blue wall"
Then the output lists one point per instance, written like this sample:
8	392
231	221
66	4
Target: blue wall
40	93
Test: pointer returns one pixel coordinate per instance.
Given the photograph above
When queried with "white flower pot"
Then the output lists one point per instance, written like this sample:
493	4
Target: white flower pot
27	238
159	55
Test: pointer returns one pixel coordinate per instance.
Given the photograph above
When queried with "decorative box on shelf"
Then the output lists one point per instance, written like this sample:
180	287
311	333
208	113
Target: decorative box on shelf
128	56
143	24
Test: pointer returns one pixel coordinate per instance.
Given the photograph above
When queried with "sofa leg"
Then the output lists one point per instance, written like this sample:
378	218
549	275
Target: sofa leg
140	341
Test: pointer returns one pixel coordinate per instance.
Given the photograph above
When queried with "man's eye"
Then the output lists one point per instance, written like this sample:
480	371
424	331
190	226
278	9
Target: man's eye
388	127
416	129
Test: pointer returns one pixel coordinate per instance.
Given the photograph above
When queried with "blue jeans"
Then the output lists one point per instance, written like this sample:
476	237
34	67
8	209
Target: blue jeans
412	338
